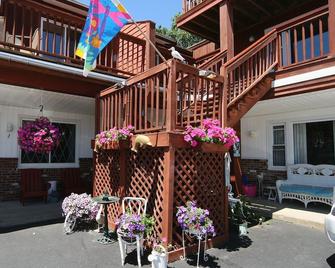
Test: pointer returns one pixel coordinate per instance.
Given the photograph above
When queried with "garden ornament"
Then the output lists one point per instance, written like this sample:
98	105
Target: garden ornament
141	142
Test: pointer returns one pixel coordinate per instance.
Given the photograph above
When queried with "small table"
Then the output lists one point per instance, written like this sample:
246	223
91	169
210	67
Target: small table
272	192
105	201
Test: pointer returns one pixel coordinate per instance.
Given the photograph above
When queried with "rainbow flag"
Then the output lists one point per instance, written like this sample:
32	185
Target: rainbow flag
104	21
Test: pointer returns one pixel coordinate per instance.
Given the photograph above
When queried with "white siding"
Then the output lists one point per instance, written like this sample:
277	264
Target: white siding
317	106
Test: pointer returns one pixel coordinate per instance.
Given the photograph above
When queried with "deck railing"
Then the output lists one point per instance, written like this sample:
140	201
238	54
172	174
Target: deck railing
304	39
167	97
38	30
250	66
190	4
215	63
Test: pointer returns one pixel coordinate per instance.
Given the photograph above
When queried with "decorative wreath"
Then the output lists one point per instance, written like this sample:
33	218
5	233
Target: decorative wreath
40	136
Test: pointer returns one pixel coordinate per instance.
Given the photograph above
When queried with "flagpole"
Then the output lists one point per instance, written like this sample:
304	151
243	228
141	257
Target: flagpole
145	36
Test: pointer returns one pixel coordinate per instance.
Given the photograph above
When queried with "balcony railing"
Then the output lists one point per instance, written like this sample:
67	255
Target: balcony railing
190	4
166	97
27	28
304	39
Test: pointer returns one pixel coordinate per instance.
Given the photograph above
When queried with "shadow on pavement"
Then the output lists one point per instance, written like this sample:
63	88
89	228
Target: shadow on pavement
331	260
236	242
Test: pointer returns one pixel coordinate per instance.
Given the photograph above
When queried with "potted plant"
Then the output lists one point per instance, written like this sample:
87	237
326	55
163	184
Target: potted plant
195	220
78	207
241	214
158	256
210	136
114	138
129	225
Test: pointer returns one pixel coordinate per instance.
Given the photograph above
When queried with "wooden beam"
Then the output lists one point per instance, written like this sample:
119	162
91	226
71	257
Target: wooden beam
259	7
331	26
226	29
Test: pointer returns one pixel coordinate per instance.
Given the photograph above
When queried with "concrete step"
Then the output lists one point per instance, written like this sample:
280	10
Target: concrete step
302	217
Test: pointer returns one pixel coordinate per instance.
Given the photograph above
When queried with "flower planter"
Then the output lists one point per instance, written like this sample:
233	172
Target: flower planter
213	148
243	229
117	145
158	260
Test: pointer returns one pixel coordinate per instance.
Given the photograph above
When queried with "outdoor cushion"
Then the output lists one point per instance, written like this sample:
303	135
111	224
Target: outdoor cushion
307	189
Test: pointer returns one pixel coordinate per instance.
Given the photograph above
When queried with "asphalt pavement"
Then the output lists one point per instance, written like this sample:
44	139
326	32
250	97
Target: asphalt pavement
273	244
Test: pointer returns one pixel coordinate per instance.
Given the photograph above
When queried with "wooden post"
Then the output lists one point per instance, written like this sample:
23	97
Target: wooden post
168	184
149	50
171	110
331	26
226	29
97	113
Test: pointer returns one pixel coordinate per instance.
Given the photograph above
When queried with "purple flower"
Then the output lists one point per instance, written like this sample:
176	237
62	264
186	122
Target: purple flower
195	219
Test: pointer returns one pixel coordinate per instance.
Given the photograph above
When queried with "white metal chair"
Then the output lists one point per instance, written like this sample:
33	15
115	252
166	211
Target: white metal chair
134	205
330	225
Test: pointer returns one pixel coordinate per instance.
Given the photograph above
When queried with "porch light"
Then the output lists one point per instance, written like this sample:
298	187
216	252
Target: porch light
252	133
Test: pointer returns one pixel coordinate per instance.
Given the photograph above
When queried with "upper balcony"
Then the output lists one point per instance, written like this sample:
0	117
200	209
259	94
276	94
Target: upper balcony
248	17
40	30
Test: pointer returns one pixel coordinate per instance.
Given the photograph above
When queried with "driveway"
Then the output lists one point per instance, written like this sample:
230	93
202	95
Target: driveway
273	244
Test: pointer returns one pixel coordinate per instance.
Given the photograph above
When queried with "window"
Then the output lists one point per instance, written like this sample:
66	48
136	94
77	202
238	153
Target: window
64	153
314	143
278	146
59	39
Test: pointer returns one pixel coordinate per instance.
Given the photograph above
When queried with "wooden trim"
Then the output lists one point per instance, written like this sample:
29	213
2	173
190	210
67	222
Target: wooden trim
196	11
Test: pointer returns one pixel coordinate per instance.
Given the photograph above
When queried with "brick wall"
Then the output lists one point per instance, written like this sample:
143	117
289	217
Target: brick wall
10	176
9	179
270	176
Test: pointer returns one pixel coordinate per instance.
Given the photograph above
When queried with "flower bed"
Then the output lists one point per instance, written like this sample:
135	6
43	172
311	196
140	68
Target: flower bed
211	133
114	138
40	136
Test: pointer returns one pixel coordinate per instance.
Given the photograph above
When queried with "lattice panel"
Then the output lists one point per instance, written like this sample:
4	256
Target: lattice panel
199	177
107	176
145	172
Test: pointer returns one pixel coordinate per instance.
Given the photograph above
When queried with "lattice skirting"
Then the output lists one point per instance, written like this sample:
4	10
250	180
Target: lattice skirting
197	176
305	198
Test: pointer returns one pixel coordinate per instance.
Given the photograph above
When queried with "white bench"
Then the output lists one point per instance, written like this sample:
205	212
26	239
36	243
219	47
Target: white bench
308	183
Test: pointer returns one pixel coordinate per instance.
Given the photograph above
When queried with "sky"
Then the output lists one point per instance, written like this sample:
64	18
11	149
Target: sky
159	11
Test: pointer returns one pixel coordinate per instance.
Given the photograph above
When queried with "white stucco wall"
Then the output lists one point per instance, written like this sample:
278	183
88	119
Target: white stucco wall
14	115
23	104
317	106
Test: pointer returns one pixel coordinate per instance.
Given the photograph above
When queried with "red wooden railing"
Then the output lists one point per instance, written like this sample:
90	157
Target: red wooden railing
160	98
250	66
215	63
189	4
304	38
38	30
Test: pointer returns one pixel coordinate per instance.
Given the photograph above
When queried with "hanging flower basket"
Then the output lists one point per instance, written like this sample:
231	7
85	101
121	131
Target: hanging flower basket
40	136
114	139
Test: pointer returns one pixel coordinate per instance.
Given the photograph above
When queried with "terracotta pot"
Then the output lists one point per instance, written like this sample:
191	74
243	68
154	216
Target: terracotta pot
213	148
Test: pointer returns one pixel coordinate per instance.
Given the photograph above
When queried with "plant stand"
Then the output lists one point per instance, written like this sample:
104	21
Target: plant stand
105	201
200	237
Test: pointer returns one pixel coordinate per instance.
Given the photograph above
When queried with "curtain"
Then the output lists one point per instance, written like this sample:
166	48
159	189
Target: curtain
300	143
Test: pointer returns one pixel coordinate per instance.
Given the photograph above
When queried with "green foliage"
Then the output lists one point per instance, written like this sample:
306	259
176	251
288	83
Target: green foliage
184	39
149	223
242	213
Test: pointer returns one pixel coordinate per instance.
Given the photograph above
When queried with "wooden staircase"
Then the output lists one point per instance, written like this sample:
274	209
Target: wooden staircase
247	78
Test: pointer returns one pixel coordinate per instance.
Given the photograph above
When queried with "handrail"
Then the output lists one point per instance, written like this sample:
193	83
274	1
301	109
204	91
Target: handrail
253	48
213	59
